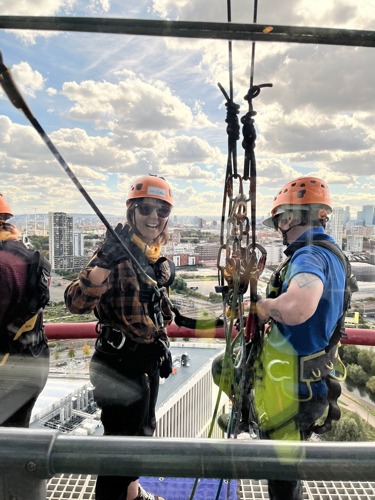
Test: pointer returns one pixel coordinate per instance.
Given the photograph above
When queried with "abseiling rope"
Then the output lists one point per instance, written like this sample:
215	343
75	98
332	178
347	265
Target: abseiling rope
240	261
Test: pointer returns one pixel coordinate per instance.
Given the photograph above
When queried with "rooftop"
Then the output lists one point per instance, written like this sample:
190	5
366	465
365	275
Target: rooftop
81	486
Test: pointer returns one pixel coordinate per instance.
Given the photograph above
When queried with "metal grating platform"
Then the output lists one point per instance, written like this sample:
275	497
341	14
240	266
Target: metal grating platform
71	487
81	487
313	490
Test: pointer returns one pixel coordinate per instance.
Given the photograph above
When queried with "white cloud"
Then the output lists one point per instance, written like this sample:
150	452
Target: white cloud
130	103
117	106
36	7
28	80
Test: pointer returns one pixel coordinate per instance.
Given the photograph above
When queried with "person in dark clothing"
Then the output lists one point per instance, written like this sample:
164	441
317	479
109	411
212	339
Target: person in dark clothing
24	353
132	349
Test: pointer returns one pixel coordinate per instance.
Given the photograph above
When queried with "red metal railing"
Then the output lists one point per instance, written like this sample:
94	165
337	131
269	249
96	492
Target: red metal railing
66	331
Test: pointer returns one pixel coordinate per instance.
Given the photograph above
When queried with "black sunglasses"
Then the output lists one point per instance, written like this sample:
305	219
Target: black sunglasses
162	211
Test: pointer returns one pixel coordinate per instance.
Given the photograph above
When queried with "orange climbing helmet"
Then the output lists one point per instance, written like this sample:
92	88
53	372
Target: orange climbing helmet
150	186
301	193
5	211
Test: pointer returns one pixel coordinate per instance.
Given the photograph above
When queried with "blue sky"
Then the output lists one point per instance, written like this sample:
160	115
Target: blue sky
119	106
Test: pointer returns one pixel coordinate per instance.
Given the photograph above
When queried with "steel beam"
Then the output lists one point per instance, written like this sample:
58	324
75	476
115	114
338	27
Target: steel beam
25	463
193	29
205	458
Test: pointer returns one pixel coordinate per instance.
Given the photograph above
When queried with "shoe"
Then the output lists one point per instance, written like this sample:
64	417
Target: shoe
144	495
223	421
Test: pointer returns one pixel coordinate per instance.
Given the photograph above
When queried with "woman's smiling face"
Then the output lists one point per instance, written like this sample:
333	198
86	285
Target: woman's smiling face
151	216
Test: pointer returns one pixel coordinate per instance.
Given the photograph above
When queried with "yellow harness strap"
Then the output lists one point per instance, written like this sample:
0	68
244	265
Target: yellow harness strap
26	327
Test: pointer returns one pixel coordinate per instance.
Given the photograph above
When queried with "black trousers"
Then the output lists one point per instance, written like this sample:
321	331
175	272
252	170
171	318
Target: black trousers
126	387
22	379
309	412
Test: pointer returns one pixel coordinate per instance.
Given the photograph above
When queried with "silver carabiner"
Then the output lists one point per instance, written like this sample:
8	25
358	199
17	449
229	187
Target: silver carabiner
123	340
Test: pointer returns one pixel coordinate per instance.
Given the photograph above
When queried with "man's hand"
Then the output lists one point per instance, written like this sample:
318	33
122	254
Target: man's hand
112	251
262	311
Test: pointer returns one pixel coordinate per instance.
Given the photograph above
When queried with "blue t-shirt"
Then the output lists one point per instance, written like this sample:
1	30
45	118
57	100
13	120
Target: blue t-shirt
314	334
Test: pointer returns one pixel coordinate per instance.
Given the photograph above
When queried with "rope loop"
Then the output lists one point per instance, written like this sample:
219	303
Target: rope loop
233	128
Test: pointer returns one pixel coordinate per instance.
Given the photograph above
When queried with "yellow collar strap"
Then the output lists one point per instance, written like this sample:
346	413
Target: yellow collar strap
152	252
8	232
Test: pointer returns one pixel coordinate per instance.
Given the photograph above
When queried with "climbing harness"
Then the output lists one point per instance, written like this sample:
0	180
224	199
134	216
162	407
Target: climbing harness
26	330
162	271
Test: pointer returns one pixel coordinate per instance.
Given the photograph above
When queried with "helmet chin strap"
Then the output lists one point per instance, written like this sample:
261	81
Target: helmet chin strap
285	232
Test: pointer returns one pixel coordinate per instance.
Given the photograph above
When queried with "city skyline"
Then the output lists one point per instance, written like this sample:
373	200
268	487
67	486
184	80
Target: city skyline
369	220
119	106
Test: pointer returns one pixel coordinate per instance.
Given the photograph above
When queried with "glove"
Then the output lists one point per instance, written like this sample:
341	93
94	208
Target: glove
166	363
112	251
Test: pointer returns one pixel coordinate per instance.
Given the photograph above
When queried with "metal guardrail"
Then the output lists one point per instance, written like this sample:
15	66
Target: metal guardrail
61	331
29	457
194	29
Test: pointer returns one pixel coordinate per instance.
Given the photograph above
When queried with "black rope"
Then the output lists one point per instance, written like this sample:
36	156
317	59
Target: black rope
233	132
230	55
248	143
255	16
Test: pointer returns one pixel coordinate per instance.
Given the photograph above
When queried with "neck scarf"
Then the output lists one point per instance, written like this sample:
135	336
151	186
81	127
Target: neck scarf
8	232
152	251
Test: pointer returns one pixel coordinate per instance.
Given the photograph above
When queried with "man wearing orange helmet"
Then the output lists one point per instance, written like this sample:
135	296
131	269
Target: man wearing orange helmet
24	353
132	348
303	310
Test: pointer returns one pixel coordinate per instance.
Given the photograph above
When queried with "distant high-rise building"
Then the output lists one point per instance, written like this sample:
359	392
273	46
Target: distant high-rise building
78	244
60	227
346	215
198	221
366	216
336	225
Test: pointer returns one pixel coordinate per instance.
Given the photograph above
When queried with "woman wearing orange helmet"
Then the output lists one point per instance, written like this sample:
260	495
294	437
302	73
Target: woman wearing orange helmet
303	311
132	348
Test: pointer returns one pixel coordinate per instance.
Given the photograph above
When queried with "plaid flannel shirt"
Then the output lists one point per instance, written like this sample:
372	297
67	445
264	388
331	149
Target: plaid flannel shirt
117	301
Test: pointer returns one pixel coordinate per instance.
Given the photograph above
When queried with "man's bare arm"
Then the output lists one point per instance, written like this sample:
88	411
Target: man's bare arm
297	304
